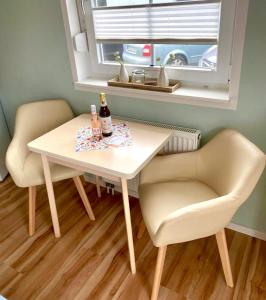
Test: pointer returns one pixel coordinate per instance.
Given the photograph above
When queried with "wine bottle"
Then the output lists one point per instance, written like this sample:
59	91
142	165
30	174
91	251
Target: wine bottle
95	124
105	116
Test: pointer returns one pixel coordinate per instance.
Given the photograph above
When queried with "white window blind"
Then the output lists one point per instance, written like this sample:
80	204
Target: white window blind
179	22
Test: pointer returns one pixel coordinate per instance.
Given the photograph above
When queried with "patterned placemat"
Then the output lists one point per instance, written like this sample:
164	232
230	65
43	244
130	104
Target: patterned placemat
121	137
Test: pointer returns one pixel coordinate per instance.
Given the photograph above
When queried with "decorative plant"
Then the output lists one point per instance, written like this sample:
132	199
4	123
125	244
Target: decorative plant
163	79
123	74
171	59
118	57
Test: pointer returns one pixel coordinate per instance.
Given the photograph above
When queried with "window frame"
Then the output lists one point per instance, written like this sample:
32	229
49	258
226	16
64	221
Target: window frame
225	96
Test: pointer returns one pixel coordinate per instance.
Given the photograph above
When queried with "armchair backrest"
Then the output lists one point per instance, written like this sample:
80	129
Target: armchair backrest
33	120
230	163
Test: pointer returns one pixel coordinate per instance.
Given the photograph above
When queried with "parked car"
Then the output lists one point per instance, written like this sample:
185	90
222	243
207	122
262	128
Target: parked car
175	55
209	58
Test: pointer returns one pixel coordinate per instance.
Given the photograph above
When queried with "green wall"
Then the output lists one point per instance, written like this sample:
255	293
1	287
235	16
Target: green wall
4	137
34	65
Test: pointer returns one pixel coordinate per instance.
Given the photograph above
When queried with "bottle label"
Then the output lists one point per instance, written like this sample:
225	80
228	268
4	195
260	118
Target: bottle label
96	131
106	124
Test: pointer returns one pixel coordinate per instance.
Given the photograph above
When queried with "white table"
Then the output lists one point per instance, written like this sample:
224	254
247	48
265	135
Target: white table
118	164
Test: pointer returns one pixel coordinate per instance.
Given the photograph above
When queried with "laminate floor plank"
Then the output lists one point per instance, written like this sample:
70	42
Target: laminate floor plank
91	260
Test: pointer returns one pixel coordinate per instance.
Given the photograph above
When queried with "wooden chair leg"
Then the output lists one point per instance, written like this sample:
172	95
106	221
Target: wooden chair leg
83	196
98	186
158	272
51	196
141	230
32	201
223	251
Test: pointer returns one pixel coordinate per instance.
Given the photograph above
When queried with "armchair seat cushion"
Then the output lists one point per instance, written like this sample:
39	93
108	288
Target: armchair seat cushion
158	200
33	171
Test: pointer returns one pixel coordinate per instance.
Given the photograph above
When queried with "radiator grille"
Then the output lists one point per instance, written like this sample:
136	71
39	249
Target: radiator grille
156	124
183	139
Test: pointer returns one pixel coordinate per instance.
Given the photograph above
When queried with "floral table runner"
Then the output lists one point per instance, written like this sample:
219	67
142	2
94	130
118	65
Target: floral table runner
121	137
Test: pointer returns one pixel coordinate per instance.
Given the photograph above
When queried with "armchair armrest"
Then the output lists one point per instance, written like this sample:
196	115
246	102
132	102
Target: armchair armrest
197	220
170	167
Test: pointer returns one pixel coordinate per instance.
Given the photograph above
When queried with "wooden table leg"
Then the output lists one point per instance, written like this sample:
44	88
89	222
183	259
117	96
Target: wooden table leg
83	196
128	226
50	192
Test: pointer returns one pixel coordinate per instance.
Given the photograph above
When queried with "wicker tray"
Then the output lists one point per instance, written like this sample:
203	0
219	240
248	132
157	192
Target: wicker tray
150	85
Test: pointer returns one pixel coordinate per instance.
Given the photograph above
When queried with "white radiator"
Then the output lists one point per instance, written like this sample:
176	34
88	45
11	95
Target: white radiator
182	140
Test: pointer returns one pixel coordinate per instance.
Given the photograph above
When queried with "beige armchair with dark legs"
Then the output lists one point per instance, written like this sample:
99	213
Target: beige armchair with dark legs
188	196
33	120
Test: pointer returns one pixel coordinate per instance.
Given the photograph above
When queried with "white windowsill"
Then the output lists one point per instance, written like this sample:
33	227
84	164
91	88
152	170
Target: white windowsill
200	96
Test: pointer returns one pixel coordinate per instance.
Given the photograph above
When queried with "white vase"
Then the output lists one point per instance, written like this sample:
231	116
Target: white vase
123	75
163	79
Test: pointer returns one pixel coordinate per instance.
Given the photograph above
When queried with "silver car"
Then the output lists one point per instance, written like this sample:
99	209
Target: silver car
168	54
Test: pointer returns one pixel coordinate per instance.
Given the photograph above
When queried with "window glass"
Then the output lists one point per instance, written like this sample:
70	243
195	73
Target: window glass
136	54
174	55
177	35
164	1
111	52
185	55
102	3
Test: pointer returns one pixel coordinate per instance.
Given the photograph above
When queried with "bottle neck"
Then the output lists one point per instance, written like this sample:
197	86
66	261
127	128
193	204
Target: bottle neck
94	115
103	103
103	100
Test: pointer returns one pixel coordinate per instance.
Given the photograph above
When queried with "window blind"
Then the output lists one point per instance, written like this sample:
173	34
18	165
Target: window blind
180	22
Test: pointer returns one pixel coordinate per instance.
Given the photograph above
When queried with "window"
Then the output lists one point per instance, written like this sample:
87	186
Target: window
199	41
175	35
190	37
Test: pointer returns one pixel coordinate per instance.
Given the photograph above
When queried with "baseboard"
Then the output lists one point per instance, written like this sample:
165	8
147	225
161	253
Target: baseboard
248	231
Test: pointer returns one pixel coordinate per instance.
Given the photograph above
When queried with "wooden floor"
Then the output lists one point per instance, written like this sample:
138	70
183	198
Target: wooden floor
90	260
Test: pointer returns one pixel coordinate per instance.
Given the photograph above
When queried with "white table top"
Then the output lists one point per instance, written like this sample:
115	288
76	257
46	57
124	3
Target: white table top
124	162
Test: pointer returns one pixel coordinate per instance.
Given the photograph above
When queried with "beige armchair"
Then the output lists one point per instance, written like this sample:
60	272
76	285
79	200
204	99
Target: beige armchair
33	120
194	195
